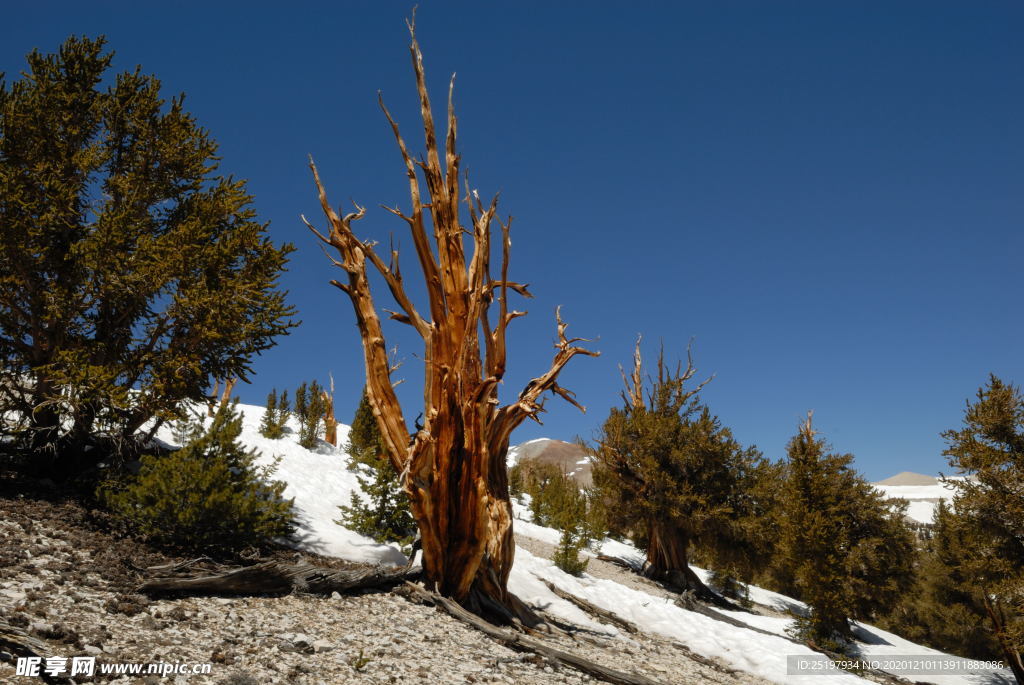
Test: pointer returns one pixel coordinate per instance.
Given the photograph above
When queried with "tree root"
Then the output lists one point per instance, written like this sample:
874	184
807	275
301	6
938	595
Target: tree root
519	641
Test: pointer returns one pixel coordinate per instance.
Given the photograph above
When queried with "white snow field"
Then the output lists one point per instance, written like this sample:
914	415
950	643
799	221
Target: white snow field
319	482
922	499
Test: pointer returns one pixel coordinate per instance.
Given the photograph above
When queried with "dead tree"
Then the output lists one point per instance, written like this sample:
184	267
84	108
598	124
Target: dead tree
453	466
330	423
217	398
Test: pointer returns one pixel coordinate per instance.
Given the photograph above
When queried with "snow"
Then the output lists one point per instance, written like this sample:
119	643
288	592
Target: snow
923	499
319	482
764	655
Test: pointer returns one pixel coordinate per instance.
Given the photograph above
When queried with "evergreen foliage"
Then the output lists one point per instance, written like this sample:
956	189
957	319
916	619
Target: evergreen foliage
944	609
672	476
207	496
276	415
309	412
557	502
130	272
267	424
384	515
989	510
846	551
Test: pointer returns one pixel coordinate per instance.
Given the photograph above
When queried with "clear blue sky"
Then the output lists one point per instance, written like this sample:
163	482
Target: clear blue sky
826	195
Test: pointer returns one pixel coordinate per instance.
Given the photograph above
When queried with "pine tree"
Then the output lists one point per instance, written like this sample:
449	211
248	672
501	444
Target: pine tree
846	550
276	415
669	473
268	426
130	273
945	609
384	515
208	495
301	407
989	506
568	513
309	412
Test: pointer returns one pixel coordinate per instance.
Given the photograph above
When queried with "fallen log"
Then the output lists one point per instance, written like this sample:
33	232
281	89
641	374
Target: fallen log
521	642
618	561
19	643
277	577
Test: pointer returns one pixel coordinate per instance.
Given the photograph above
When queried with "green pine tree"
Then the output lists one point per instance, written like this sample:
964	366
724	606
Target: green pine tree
130	271
301	403
846	550
276	415
311	423
669	473
268	425
568	513
283	412
945	609
384	514
207	496
989	508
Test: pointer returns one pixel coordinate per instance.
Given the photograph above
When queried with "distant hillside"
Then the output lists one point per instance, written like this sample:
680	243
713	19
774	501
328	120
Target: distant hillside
922	492
571	458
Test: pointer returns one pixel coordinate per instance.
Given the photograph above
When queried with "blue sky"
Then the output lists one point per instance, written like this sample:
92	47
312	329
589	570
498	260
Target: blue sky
826	196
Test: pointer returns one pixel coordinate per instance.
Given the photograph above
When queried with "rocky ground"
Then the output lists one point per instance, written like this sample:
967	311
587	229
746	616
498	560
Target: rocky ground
67	581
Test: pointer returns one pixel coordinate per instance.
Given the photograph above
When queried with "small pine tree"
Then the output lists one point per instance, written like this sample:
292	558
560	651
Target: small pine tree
207	496
276	415
301	403
384	514
309	412
567	511
268	426
567	554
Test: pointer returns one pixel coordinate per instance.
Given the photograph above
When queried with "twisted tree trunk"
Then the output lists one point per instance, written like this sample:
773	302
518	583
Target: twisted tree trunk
453	466
668	561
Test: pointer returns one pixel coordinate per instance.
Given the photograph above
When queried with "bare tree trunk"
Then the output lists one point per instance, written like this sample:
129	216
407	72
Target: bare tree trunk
330	423
997	616
229	387
212	399
453	466
668	560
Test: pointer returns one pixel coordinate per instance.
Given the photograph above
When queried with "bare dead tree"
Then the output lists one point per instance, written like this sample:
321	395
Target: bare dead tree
453	466
330	423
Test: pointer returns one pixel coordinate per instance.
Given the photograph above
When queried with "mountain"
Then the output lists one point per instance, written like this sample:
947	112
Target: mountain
574	461
922	492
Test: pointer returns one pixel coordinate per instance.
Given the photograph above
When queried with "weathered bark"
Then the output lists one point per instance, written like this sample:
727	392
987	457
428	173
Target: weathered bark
16	641
330	423
211	399
668	560
275	577
522	643
453	466
229	387
997	616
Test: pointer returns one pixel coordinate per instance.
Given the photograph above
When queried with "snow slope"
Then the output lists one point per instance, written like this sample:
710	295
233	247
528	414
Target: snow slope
922	500
319	482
